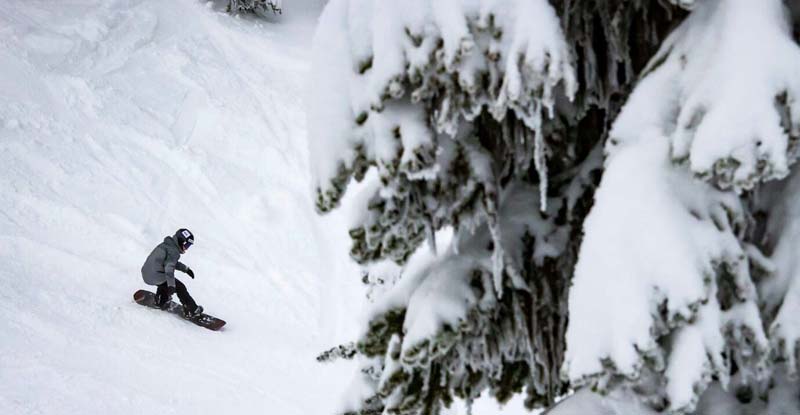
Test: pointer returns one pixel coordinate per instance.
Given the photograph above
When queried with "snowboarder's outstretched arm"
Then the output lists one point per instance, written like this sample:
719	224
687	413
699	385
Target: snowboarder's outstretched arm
185	269
171	264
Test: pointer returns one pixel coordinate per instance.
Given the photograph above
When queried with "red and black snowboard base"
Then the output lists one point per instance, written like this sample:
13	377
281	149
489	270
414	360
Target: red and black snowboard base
148	299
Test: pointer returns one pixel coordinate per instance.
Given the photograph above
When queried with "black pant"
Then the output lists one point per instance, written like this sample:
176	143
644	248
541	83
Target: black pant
180	289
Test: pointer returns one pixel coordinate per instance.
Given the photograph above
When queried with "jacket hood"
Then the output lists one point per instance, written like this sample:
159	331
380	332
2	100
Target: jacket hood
172	242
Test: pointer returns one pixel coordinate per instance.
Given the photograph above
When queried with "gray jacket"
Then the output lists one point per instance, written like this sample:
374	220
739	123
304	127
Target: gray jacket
161	263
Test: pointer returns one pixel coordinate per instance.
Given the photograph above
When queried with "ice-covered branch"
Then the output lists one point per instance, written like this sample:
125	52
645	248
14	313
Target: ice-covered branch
389	77
445	312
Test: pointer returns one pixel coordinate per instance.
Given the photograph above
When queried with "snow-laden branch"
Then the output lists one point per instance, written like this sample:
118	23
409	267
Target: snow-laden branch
662	283
445	312
781	293
389	77
730	72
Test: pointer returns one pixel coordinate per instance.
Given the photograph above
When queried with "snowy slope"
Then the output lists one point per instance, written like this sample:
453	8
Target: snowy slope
121	121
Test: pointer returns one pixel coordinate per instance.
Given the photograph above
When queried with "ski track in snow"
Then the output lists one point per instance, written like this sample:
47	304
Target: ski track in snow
121	121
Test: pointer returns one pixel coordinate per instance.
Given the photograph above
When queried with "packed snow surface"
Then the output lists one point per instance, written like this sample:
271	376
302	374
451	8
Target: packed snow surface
121	121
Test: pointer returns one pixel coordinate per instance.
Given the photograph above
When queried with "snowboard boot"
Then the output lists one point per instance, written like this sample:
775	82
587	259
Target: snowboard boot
162	302
192	313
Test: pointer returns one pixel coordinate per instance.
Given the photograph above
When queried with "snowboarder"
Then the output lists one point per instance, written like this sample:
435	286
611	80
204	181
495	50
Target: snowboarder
159	270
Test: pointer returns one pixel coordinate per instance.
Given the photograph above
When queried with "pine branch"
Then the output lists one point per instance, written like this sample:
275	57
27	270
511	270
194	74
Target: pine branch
344	351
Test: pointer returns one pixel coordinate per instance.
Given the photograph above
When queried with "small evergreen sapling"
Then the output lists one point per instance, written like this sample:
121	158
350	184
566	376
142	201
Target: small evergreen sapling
237	6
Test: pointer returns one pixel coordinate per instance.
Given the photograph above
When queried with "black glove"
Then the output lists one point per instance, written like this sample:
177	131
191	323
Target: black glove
189	272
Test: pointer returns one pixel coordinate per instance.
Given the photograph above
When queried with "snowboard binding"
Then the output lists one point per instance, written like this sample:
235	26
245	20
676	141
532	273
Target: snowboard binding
198	311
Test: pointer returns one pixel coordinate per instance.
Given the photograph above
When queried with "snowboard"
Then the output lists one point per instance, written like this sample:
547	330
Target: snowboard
148	299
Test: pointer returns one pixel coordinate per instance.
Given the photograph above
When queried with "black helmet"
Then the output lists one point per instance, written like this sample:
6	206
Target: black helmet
185	238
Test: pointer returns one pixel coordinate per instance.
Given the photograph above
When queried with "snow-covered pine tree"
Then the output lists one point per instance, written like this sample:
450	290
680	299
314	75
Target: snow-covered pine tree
237	6
679	289
491	122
